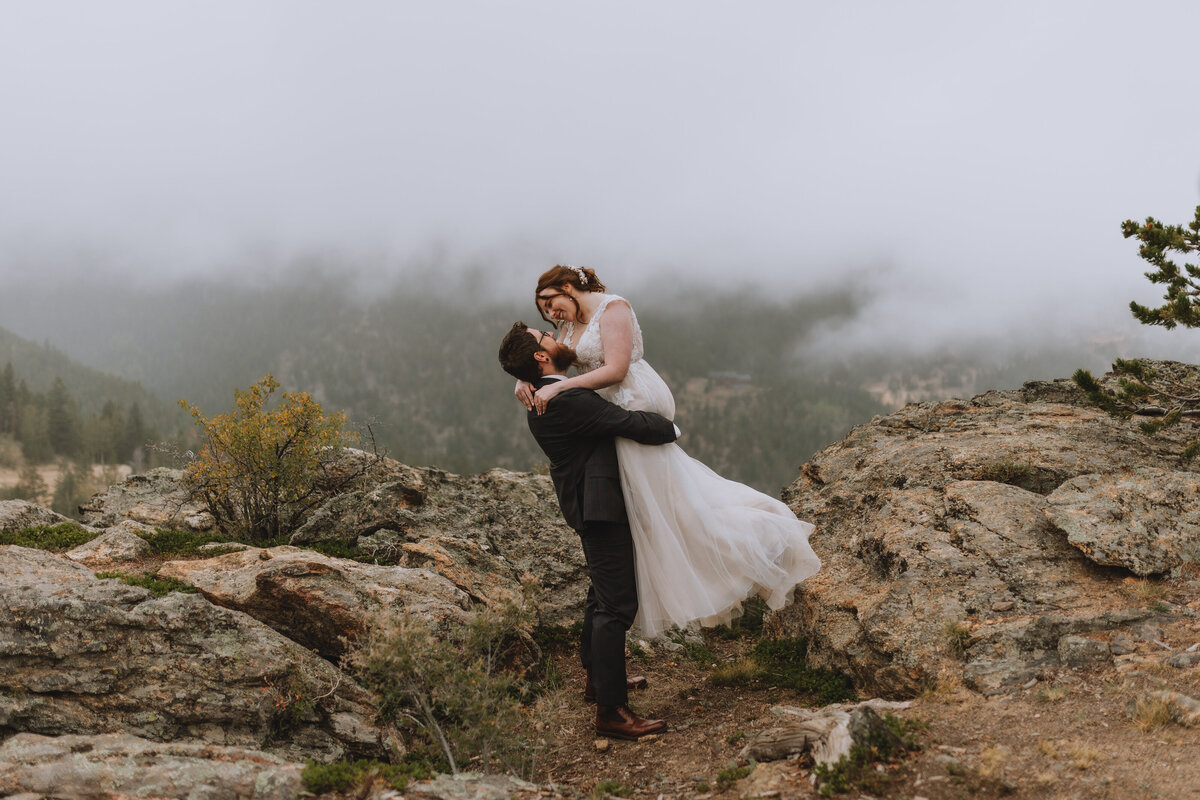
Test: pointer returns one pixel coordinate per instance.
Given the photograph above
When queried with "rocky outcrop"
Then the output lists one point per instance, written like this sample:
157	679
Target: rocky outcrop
939	545
80	655
321	602
157	498
483	533
18	514
117	545
1146	520
120	765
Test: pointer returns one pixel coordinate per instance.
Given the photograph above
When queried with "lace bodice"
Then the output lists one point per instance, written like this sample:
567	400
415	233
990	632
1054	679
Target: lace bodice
588	346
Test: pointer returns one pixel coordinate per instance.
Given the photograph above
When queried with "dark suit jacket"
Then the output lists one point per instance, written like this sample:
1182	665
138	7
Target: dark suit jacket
576	433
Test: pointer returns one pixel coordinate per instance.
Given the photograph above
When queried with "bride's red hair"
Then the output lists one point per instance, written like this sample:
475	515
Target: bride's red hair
582	278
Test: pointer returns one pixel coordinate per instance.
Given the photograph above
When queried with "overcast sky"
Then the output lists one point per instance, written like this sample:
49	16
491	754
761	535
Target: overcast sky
979	157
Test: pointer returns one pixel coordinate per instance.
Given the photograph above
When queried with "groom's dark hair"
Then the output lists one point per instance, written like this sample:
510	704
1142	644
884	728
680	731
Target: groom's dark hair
517	351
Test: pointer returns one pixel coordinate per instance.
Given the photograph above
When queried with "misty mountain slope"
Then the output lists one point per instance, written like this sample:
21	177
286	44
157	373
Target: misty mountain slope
419	366
39	364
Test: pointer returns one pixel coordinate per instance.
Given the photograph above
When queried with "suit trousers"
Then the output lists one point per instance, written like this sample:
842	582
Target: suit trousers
612	604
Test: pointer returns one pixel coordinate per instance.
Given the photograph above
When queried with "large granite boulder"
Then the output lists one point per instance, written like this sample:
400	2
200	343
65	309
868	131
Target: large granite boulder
80	655
1146	520
16	515
119	765
484	533
938	554
119	544
321	602
157	498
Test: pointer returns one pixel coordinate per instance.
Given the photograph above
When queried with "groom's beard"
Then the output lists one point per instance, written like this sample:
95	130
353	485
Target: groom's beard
563	358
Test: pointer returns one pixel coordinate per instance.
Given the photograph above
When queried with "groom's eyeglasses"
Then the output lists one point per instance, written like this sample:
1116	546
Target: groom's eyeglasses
542	335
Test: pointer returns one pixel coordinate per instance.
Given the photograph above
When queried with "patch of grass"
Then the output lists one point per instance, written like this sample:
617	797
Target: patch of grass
342	776
746	672
1143	589
1047	748
1013	473
957	637
734	738
169	542
558	638
1152	713
637	651
610	788
56	538
157	586
732	774
1052	694
784	664
1083	756
992	760
698	653
703	787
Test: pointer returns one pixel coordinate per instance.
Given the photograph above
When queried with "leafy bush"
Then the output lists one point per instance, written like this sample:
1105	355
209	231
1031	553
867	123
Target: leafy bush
461	690
57	538
261	471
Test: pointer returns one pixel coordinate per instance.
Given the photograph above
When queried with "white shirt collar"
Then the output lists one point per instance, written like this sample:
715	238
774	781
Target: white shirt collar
554	377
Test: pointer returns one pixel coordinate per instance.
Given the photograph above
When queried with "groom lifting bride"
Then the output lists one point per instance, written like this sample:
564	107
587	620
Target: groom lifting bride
667	539
577	434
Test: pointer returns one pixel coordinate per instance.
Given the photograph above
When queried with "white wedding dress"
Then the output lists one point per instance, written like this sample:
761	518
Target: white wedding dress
702	543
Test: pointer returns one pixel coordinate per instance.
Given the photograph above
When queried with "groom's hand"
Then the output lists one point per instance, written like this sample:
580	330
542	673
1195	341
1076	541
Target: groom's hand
545	394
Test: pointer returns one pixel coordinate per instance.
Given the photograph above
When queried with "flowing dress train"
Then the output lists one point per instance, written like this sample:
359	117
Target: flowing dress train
702	543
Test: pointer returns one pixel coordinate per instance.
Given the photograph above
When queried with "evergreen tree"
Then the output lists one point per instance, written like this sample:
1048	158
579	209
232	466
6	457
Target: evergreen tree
69	493
1158	241
134	436
34	434
60	415
8	400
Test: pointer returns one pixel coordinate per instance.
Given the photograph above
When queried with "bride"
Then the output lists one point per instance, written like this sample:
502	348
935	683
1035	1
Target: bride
702	543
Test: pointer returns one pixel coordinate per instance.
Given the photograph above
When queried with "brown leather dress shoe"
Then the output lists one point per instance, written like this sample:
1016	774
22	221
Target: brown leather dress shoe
618	722
632	684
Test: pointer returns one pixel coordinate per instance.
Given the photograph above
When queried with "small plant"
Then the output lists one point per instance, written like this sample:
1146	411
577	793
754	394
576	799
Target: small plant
866	767
358	776
958	638
1143	589
638	652
462	690
698	653
605	789
1083	756
1052	694
1151	713
746	672
1010	472
170	542
56	538
157	586
732	774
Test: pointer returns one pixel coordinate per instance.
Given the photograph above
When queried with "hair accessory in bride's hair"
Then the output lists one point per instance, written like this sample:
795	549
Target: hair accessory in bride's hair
578	271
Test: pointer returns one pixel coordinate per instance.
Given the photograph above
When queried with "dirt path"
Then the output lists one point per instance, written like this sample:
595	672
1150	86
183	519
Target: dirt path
1073	735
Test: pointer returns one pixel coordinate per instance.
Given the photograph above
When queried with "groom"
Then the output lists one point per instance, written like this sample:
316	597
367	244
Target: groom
576	432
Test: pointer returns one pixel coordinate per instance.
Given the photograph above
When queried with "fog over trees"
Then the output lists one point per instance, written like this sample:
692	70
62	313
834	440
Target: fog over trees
762	380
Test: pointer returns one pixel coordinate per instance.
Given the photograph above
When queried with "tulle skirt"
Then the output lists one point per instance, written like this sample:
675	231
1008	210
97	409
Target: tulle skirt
702	543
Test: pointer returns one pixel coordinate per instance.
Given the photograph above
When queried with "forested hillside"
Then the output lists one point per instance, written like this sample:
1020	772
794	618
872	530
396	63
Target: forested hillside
416	362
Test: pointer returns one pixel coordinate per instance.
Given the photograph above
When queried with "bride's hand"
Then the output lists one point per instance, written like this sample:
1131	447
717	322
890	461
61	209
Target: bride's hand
545	394
524	393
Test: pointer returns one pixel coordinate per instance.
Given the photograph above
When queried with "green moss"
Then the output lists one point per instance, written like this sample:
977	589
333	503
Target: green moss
784	664
157	586
341	776
56	538
167	542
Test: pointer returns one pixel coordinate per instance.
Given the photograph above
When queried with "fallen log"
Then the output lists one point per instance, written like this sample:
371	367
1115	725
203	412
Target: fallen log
827	733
